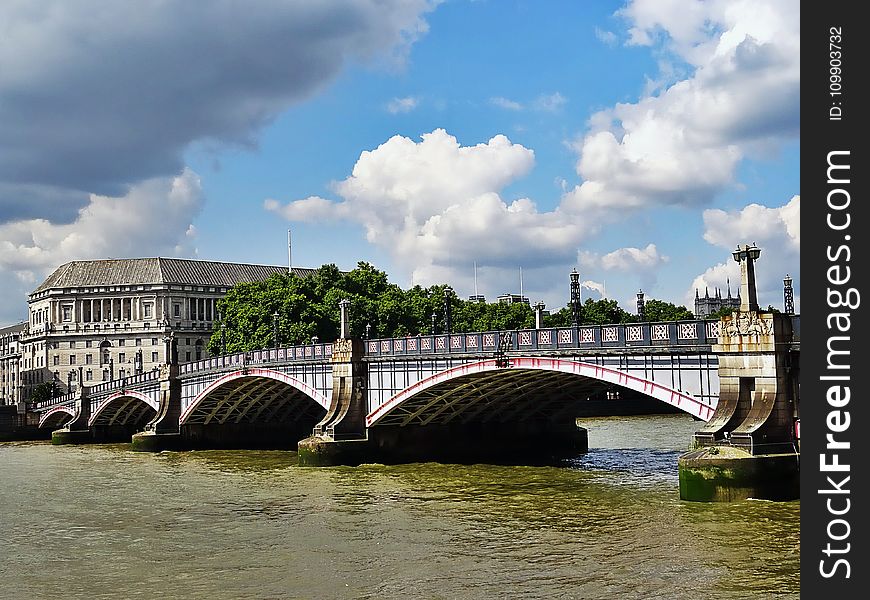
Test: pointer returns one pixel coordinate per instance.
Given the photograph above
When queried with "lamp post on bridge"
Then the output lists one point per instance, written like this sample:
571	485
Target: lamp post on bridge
223	333
275	341
539	314
368	330
575	298
69	377
448	312
434	316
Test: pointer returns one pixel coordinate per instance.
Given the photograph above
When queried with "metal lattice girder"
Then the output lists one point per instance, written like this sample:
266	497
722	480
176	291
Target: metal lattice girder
253	400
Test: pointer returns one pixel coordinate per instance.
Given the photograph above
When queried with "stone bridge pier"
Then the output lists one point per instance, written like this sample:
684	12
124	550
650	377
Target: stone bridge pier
76	431
748	448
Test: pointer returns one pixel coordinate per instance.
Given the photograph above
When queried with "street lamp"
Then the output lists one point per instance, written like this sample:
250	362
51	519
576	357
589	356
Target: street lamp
368	330
275	316
575	298
448	325
433	323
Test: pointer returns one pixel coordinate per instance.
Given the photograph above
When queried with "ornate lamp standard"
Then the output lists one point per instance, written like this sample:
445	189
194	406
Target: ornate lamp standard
575	298
275	341
448	304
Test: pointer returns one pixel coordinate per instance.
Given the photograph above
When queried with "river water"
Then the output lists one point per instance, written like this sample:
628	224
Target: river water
101	521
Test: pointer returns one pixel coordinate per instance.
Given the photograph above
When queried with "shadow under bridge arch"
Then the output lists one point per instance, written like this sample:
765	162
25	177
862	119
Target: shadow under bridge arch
56	418
122	414
256	408
490	408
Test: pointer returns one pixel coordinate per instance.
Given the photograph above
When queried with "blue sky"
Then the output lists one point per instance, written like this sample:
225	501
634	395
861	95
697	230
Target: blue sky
635	141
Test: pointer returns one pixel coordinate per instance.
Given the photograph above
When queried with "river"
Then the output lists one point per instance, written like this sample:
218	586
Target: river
100	521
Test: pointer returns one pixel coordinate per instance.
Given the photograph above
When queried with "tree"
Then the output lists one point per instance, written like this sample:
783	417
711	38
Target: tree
659	310
42	392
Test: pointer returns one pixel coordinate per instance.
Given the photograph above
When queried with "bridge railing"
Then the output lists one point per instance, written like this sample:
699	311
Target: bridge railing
624	335
307	352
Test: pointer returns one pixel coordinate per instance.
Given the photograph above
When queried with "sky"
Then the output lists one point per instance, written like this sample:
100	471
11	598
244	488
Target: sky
493	145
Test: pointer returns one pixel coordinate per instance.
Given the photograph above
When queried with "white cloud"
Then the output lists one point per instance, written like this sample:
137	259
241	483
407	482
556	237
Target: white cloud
550	102
607	37
625	259
775	230
505	103
402	105
154	218
682	146
437	206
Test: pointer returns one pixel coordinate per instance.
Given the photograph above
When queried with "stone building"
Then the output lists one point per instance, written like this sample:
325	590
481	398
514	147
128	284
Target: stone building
706	306
106	319
10	358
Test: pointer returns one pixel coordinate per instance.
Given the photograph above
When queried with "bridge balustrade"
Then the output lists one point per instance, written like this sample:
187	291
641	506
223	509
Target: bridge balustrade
699	333
307	352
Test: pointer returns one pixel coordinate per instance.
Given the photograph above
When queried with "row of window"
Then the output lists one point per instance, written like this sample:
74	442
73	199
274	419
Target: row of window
89	358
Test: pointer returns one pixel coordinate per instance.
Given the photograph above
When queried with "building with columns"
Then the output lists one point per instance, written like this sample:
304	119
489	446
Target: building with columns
10	359
106	319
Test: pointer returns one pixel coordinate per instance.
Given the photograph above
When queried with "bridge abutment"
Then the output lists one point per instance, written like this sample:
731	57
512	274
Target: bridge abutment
748	447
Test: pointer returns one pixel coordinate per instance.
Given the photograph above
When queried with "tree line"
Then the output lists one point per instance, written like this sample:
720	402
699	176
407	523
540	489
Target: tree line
308	307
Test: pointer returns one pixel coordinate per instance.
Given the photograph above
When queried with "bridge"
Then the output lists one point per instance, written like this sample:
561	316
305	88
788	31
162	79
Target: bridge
480	393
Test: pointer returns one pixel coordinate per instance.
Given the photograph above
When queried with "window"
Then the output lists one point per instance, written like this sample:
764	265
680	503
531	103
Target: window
87	343
121	342
89	359
73	375
147	310
67	313
176	310
89	375
138	341
121	373
56	360
121	357
154	358
153	341
72	345
187	341
187	356
72	359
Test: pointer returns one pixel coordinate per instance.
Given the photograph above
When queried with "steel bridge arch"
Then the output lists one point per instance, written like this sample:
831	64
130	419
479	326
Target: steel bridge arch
119	395
681	400
54	411
291	381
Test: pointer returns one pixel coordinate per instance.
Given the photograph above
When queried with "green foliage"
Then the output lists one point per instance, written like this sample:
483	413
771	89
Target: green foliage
309	306
42	392
659	310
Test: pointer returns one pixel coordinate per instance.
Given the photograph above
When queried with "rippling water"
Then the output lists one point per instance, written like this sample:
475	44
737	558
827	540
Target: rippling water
104	522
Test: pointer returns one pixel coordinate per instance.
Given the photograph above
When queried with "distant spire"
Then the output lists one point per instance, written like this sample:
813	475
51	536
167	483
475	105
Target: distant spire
728	279
706	292
696	294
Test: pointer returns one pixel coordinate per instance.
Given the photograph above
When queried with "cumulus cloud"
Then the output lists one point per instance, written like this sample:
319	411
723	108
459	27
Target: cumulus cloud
401	105
153	218
681	146
98	95
775	230
435	204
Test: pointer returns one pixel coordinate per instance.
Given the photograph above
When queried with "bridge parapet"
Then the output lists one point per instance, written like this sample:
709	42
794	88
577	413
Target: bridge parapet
307	352
699	334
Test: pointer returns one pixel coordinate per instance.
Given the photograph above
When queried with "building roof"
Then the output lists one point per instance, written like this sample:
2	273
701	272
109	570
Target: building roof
139	271
17	328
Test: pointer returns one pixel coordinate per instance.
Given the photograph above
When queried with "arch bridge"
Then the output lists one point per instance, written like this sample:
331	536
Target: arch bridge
407	395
